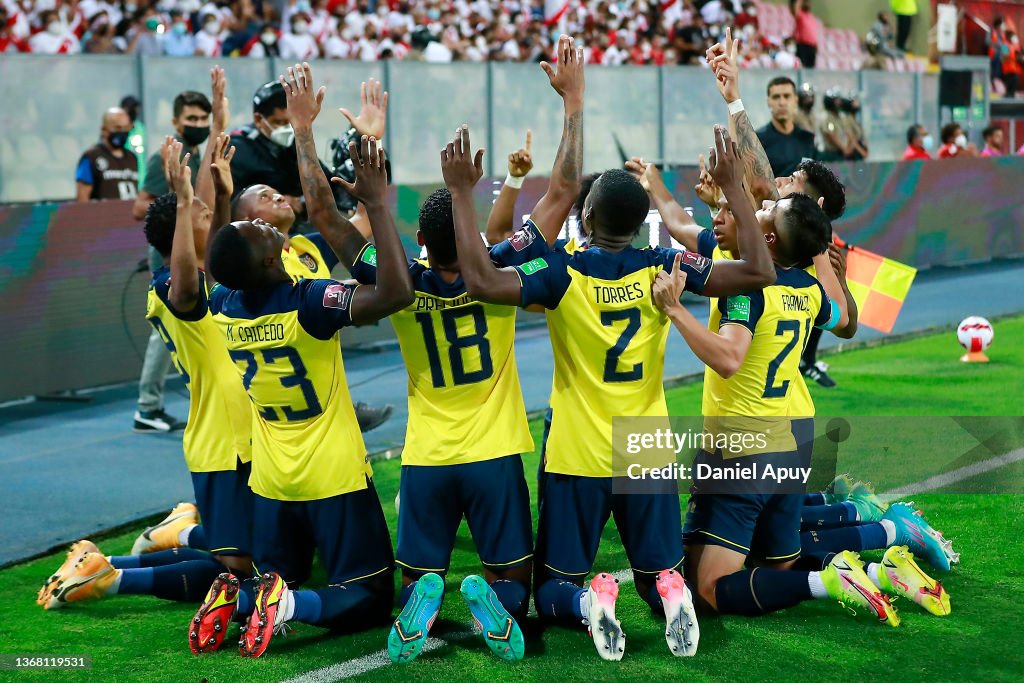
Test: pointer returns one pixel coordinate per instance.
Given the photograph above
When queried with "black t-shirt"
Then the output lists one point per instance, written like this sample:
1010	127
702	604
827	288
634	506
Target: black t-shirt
785	152
111	177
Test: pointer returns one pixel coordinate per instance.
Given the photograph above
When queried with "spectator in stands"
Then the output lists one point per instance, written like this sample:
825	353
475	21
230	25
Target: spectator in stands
784	143
9	41
835	142
299	43
905	10
919	143
148	39
691	40
875	60
1012	68
787	58
617	54
107	170
210	39
99	39
954	143
993	137
882	29
55	38
266	43
748	17
996	42
179	41
806	32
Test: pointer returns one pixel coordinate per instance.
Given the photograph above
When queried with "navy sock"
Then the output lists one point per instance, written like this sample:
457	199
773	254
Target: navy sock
185	581
307	606
136	581
558	599
752	592
810	561
814	499
197	538
870	536
159	558
514	596
352	608
826	516
405	594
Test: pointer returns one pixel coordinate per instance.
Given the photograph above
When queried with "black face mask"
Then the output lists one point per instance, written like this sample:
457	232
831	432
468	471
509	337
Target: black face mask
117	139
195	135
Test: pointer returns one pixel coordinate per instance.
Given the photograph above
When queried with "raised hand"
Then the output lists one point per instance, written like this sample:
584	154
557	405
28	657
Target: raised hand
373	112
371	184
223	153
837	256
668	287
179	175
520	162
567	76
725	165
706	188
303	103
459	166
221	112
724	62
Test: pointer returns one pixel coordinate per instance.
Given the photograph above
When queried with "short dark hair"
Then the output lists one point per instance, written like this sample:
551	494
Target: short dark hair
193	99
159	222
949	132
236	202
780	80
438	226
805	233
913	132
269	98
231	258
827	185
619	202
585	186
990	130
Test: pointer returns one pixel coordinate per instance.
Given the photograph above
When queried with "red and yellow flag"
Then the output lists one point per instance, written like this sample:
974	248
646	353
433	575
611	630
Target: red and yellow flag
879	285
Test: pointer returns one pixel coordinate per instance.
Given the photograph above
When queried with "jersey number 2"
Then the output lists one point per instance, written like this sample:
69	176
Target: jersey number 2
456	345
784	327
296	379
611	359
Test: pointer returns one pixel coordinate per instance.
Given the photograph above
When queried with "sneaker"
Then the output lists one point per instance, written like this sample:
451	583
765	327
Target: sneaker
273	601
500	631
370	418
599	617
846	582
150	421
818	372
210	624
914	532
75	553
164	535
89	579
900	575
681	629
410	630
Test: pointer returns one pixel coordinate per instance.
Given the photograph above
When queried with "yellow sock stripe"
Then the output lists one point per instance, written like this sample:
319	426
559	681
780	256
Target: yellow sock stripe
559	571
784	557
507	564
360	578
441	570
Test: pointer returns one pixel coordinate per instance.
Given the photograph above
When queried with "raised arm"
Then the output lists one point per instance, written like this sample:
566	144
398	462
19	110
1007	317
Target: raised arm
567	80
677	220
462	170
848	328
224	188
758	170
502	221
754	269
218	124
184	292
303	107
393	290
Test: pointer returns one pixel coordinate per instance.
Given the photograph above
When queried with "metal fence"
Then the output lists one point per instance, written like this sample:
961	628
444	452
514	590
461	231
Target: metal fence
52	107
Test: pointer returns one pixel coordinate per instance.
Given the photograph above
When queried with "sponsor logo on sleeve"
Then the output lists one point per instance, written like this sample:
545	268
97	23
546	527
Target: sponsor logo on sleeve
522	239
531	267
337	296
696	261
738	308
370	256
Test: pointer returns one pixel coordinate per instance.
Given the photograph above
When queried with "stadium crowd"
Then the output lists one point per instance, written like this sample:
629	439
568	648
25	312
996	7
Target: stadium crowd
612	33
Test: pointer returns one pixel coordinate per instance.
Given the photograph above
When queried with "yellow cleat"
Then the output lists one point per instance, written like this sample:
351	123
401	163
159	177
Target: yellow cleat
845	580
77	550
900	575
89	579
164	536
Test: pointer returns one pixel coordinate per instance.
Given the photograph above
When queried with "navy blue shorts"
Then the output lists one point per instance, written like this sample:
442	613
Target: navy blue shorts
493	497
349	531
574	511
225	504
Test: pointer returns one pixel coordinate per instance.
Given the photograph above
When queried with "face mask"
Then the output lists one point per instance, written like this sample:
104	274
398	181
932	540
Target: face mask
928	142
791	49
179	29
129	9
303	6
117	139
283	135
152	24
433	14
299	28
54	28
211	28
961	140
1015	40
195	135
269	38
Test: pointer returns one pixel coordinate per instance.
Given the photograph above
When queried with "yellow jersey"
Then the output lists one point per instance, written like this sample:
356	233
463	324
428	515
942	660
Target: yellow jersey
465	402
284	341
308	256
219	417
607	335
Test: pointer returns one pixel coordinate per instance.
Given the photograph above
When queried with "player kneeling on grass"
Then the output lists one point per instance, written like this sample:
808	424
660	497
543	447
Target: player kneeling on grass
216	441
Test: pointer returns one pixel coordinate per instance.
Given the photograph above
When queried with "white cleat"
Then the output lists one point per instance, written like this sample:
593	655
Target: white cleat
682	633
599	616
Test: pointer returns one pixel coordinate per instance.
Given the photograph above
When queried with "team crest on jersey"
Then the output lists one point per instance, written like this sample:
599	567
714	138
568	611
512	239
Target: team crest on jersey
522	239
738	308
337	296
308	261
102	164
696	261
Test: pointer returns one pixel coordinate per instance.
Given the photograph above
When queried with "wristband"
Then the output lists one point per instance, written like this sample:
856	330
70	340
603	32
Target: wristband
514	182
735	107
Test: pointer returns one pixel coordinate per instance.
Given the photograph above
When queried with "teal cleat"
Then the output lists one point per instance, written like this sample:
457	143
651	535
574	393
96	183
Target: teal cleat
839	489
913	531
500	631
414	621
870	507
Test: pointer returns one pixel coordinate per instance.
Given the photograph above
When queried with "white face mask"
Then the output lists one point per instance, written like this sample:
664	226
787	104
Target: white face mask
928	142
54	28
211	28
283	135
299	28
961	140
791	49
269	38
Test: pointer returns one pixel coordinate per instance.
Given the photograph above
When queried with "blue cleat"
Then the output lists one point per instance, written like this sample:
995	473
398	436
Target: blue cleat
500	631
913	531
414	621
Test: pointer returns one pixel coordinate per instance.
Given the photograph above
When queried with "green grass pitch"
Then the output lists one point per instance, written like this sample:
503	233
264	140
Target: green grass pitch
144	639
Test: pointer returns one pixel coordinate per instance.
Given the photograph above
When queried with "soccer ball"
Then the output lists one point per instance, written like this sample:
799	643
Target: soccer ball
975	334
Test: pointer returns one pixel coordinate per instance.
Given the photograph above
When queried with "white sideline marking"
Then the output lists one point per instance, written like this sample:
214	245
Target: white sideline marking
379	659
